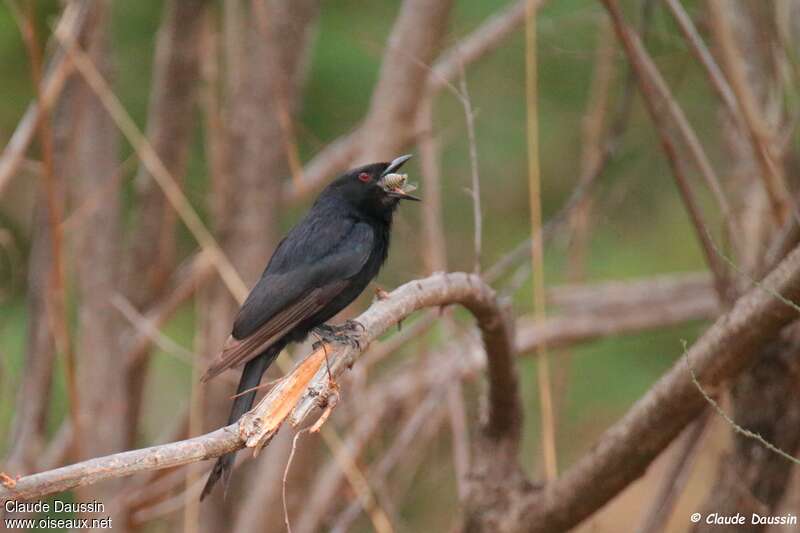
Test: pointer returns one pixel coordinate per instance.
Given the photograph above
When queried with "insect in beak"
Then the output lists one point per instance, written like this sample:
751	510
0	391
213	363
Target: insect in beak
396	185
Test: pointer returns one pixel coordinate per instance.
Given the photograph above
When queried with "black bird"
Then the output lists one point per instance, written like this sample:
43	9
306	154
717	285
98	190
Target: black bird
322	265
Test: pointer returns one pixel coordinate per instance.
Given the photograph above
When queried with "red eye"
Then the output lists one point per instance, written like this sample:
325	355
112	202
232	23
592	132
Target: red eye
364	177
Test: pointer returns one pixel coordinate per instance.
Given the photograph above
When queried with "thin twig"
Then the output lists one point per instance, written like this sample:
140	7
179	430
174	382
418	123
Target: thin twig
146	327
286	475
475	191
537	250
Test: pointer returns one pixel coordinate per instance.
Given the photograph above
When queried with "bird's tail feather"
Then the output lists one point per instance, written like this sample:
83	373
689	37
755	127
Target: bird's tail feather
251	377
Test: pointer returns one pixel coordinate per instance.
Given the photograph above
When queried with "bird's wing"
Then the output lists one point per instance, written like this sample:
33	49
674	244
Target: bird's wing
283	299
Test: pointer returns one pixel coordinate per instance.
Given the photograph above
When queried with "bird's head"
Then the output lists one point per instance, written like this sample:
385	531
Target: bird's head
376	188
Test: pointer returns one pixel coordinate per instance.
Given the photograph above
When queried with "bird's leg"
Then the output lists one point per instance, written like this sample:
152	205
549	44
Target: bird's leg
323	332
328	364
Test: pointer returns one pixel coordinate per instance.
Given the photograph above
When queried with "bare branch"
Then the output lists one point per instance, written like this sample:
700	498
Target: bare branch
122	464
475	189
581	297
437	290
600	322
301	390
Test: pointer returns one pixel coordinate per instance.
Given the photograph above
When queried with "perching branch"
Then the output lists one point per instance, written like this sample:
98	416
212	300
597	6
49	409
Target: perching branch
301	391
308	386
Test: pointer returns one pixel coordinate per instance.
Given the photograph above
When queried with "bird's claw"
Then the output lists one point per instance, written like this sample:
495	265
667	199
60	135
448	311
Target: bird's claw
354	325
324	330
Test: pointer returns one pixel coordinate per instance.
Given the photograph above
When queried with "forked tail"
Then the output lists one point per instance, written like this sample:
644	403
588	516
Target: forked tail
251	377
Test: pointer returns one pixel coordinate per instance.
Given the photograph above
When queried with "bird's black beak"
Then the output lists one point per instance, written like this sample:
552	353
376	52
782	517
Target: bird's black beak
396	164
396	185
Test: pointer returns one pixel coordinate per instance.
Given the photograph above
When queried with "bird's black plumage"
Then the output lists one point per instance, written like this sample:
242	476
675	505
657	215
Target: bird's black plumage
322	265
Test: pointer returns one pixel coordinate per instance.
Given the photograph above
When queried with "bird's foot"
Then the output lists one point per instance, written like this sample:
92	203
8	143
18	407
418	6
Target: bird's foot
344	334
325	329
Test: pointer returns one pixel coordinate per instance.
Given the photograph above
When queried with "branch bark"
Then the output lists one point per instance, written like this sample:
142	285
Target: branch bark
101	380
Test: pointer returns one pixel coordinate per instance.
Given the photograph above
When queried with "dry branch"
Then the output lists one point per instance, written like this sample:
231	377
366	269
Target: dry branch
629	446
434	291
122	464
627	309
582	297
308	382
567	330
